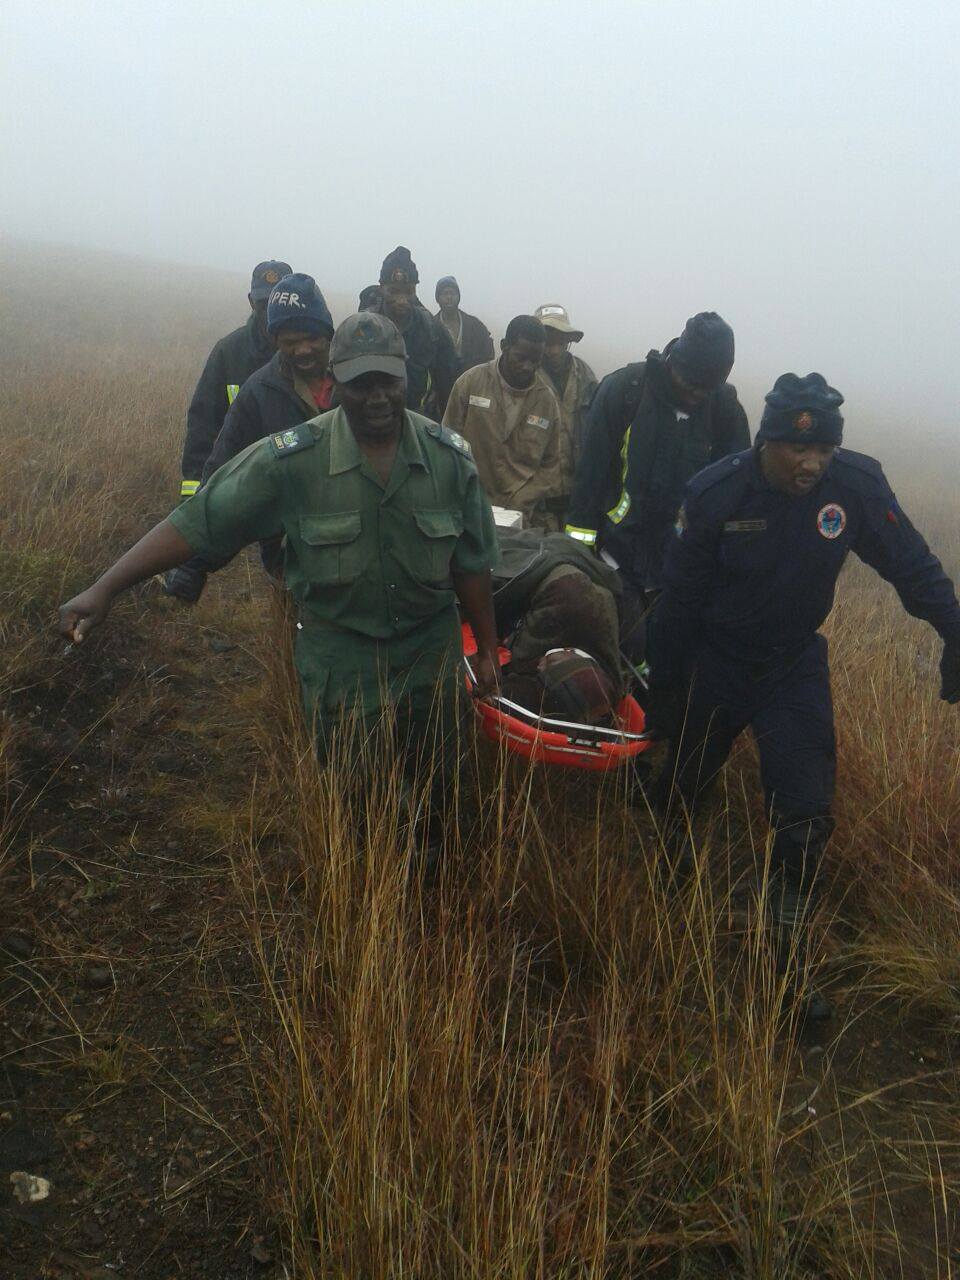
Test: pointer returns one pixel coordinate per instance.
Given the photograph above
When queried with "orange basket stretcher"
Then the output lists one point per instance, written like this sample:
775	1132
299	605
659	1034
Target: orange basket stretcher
547	740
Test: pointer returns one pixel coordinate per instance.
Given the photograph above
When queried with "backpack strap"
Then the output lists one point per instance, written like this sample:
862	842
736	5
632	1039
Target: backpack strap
633	382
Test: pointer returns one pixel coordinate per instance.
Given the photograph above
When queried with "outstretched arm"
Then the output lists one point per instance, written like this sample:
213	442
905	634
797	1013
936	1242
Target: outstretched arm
162	548
889	543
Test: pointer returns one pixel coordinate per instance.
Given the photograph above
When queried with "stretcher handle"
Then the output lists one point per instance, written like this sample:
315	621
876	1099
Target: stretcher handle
561	726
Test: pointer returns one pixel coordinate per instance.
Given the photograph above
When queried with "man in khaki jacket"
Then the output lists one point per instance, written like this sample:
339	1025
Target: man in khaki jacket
510	417
574	383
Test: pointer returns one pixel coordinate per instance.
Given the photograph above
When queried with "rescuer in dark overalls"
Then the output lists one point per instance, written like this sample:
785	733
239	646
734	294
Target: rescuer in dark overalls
734	640
228	366
650	427
431	359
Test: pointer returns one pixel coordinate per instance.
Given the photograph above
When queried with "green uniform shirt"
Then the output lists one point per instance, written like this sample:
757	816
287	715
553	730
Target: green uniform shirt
368	565
359	556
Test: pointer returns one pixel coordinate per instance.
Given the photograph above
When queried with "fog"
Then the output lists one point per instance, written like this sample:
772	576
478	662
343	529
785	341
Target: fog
792	166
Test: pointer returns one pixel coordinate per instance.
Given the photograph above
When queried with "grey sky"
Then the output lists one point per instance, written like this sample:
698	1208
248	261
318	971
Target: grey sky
793	166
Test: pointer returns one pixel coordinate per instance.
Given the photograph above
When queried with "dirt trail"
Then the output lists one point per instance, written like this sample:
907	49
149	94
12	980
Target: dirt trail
123	1077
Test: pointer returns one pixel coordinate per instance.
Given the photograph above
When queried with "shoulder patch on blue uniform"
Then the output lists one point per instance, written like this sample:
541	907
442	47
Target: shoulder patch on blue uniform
283	443
452	438
733	465
861	462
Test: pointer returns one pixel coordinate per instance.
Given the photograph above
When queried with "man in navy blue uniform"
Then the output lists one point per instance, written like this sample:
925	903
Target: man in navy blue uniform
734	642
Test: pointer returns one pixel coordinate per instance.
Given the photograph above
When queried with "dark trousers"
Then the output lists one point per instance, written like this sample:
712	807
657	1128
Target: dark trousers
787	705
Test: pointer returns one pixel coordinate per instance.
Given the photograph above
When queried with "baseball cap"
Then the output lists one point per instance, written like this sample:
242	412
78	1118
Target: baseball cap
265	276
553	316
367	343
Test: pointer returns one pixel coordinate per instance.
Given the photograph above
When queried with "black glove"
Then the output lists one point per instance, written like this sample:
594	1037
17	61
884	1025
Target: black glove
950	673
664	712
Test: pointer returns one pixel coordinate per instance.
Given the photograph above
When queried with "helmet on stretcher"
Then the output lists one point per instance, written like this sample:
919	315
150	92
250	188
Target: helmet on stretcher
547	740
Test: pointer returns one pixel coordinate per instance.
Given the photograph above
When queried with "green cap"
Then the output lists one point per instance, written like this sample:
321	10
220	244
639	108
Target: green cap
367	343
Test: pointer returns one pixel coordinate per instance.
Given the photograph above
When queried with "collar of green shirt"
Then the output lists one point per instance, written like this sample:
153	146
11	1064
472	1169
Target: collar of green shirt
345	453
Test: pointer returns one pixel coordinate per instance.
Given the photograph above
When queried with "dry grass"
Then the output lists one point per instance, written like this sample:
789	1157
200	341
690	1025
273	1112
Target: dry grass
550	1065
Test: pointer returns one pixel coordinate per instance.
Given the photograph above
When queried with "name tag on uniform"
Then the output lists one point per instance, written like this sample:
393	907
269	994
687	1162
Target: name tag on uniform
481	402
744	526
534	421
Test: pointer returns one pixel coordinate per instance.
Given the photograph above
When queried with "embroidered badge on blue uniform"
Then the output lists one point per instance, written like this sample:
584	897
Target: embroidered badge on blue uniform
831	520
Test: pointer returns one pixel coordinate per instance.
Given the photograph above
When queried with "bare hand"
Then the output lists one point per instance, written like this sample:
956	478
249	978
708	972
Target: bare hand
487	671
79	616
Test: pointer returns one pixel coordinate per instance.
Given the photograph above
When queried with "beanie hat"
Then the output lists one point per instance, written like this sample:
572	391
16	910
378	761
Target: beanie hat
445	282
297	303
803	411
703	354
399	268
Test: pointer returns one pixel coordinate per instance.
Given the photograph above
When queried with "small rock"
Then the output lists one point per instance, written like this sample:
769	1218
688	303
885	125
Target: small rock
229	1039
930	1055
98	976
222	646
17	944
260	1253
30	1187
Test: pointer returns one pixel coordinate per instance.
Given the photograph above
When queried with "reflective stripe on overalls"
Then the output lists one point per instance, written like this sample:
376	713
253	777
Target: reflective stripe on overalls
616	514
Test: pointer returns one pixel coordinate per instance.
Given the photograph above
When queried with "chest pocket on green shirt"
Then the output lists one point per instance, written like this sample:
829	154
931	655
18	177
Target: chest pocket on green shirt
332	548
439	533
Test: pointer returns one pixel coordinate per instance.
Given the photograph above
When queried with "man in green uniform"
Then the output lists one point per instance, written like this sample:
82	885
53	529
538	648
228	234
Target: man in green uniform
386	526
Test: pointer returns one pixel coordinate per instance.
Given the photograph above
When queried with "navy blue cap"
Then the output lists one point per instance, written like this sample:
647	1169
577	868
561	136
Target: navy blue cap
703	354
802	410
265	276
297	303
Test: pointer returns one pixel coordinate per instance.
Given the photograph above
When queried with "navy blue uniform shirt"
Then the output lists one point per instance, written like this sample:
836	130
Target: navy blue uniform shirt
752	572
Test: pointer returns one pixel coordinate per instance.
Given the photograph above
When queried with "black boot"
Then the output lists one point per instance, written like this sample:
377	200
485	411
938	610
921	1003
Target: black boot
798	846
791	905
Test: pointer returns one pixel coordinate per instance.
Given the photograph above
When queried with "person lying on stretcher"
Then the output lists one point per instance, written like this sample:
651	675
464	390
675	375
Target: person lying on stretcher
557	610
